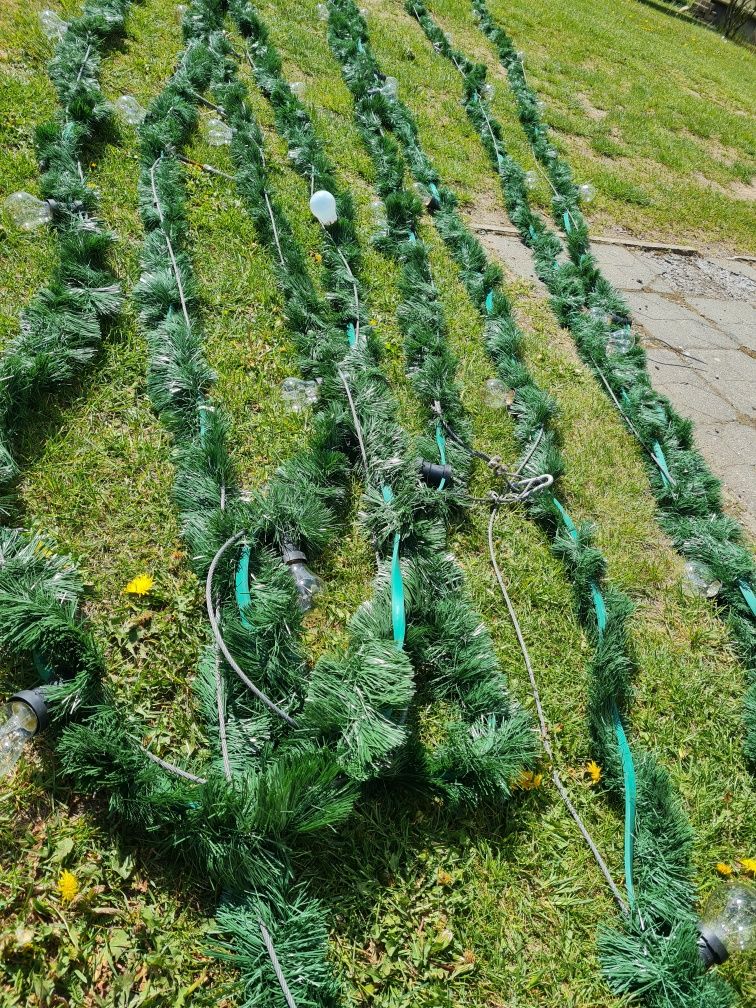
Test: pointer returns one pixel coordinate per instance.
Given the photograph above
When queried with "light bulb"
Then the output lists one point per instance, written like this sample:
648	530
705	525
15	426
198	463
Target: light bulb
323	206
520	55
423	193
619	342
488	91
729	923
697	580
551	153
498	395
298	88
390	86
129	109
218	133
307	584
299	394
25	715
53	27
27	212
322	11
530	179
587	192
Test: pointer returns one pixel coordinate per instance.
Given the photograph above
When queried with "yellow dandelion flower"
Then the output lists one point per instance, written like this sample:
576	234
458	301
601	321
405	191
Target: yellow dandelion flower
594	771
317	257
373	321
748	864
528	780
443	877
724	870
140	585
68	886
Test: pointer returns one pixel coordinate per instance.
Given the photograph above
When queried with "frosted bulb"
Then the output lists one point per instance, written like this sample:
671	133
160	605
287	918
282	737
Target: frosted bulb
52	26
20	724
698	581
323	206
129	109
551	153
729	923
587	192
218	133
322	11
530	179
298	88
27	212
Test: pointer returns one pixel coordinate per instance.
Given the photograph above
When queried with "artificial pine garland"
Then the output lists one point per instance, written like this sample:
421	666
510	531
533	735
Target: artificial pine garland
656	955
688	496
61	328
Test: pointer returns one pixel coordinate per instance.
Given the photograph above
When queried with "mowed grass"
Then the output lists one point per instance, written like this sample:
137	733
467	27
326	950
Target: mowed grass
427	907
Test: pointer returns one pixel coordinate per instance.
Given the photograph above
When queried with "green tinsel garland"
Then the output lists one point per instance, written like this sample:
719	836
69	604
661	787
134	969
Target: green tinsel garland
687	494
658	947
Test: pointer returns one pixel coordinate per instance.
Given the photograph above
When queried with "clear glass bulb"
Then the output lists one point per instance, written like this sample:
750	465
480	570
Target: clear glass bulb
587	192
218	133
729	920
619	342
488	91
19	726
27	212
423	193
322	11
53	27
390	87
530	179
323	206
299	393
298	88
307	584
129	109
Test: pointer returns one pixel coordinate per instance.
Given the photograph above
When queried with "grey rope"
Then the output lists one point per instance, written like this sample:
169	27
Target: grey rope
288	997
221	712
172	768
355	419
543	728
214	623
273	224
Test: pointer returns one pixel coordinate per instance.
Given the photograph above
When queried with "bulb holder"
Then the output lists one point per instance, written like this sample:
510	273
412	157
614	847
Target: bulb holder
712	950
34	699
290	554
433	473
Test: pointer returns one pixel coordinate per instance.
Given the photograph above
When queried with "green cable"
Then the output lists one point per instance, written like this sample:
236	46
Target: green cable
398	616
441	442
626	756
748	594
243	597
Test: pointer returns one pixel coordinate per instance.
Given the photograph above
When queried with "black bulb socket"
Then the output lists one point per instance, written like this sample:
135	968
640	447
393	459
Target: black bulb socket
433	473
34	699
711	948
290	554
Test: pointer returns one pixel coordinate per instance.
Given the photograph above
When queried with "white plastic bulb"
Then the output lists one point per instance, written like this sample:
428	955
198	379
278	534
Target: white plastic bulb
53	27
322	11
323	206
26	211
530	179
218	133
587	192
129	109
15	732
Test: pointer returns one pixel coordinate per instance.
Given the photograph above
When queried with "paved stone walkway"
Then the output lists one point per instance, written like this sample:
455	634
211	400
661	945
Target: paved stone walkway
697	319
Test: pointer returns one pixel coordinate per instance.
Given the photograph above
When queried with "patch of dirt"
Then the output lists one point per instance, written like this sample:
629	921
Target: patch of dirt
590	109
743	190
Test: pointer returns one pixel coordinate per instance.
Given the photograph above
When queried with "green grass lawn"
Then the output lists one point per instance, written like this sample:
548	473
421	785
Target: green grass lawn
427	909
